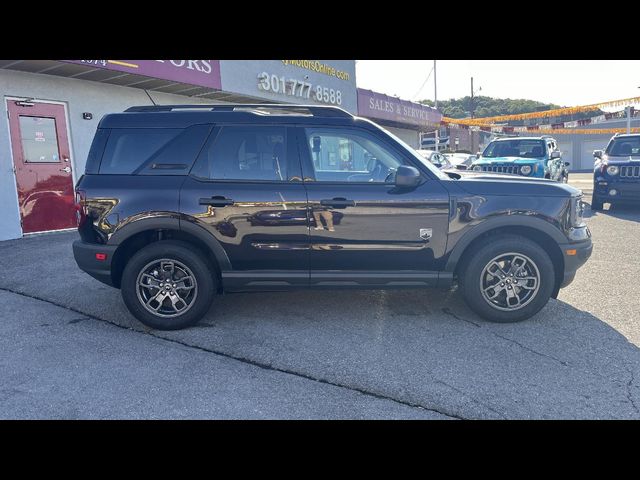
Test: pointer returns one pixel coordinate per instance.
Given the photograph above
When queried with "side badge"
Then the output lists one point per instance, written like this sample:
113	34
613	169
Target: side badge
425	233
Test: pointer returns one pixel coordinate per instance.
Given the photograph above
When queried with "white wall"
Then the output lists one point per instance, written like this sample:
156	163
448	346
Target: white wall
79	96
411	137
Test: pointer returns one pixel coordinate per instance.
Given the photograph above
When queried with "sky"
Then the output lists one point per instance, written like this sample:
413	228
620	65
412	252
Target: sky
563	82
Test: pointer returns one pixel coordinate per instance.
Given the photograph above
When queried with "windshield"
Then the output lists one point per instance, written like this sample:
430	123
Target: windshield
430	166
515	148
624	146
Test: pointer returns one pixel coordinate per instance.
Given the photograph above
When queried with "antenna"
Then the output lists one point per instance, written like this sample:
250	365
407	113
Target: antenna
145	91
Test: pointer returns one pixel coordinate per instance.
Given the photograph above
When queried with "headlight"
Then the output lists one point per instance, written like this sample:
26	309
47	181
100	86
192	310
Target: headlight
612	170
525	169
477	168
577	210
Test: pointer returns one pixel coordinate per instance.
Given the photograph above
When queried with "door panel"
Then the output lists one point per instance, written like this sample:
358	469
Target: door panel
364	224
380	227
247	193
42	164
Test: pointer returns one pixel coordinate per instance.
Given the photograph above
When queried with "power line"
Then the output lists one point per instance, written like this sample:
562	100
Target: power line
423	84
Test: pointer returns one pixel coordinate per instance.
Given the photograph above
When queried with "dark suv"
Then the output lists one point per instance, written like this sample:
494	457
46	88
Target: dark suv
179	203
616	172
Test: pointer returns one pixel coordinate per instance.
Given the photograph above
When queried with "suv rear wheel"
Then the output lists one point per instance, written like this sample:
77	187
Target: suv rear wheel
168	285
508	280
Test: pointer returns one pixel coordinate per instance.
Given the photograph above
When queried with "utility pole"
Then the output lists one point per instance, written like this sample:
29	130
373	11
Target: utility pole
472	112
628	119
472	106
435	98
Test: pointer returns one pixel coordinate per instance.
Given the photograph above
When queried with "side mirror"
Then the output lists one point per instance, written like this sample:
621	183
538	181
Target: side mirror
567	164
556	154
407	176
597	154
478	155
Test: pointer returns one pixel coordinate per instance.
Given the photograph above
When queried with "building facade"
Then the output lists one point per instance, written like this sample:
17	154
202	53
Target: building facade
54	106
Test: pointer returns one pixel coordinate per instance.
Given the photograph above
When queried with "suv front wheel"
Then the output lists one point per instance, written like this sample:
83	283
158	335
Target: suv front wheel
168	285
509	279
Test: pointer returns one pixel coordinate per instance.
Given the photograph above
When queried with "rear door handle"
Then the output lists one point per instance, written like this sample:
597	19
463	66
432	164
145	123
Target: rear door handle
337	202
217	201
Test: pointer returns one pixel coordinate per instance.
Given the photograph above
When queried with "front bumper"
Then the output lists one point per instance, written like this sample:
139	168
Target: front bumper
575	255
85	255
627	191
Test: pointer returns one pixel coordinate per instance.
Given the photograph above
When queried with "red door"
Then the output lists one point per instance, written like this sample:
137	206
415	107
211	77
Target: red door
42	166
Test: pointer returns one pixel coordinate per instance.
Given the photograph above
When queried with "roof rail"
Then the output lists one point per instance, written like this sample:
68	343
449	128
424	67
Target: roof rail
257	108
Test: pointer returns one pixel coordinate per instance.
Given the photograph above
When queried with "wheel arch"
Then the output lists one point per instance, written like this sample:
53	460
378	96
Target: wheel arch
537	230
138	234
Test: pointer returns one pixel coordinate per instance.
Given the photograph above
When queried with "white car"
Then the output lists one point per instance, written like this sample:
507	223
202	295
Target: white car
461	161
438	159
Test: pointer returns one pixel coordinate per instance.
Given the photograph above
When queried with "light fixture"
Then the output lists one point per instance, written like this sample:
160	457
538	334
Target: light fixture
24	103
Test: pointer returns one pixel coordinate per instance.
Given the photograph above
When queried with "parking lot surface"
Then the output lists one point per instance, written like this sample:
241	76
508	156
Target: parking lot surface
325	354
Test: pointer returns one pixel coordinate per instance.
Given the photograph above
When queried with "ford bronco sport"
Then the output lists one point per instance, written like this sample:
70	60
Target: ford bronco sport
180	203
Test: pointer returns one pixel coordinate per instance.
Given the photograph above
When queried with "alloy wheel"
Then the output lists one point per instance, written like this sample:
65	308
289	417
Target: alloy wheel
166	288
510	281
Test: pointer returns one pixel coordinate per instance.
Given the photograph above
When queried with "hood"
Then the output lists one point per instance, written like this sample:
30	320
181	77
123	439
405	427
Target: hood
619	160
514	160
484	183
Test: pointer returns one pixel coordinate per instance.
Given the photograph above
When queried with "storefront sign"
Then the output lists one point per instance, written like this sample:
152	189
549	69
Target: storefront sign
378	105
328	82
203	73
318	66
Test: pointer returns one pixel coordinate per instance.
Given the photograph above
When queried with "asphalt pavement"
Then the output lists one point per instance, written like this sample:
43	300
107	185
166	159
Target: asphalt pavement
71	350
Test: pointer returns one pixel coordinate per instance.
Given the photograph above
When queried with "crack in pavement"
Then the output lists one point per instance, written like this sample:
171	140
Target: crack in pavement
629	392
255	363
561	362
529	349
447	311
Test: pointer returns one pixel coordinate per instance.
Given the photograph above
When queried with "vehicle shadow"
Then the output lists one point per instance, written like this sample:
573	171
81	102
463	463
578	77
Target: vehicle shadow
419	347
426	347
624	211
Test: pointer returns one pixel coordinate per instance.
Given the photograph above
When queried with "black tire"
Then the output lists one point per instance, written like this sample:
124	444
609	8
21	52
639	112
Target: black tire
596	204
565	177
471	275
188	260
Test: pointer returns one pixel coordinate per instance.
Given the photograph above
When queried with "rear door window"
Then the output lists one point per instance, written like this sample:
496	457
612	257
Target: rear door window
248	153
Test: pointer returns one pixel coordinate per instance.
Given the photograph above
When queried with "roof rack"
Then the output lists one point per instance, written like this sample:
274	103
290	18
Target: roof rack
256	108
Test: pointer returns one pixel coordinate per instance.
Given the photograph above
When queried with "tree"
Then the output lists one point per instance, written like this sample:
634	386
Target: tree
487	106
490	107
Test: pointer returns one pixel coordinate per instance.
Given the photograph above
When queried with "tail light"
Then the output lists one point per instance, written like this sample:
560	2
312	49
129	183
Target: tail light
81	213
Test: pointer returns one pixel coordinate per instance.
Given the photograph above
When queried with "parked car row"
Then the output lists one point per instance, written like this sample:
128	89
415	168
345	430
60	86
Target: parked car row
537	157
616	176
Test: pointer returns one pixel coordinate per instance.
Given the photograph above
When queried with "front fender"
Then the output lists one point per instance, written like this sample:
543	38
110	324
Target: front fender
489	224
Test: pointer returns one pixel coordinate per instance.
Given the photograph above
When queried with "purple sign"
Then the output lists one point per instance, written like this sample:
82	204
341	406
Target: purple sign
204	73
378	105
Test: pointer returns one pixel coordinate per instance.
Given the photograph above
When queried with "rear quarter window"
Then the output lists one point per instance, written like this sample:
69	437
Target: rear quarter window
128	149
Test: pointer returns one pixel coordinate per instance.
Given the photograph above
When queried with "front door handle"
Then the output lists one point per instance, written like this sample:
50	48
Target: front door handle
217	201
337	202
